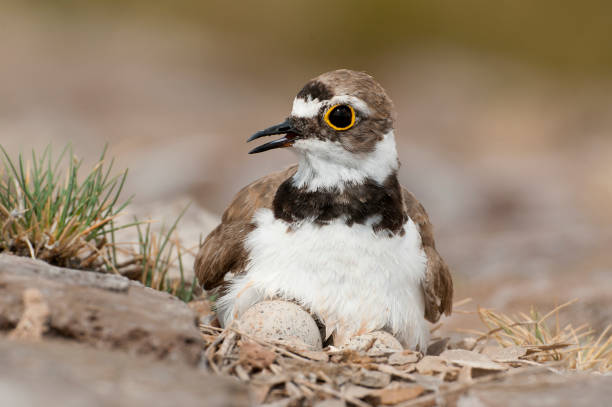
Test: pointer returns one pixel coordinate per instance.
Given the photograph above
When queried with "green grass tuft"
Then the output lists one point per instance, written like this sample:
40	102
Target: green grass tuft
50	211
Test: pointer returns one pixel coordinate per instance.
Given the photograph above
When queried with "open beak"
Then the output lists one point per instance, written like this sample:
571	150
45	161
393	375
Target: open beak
283	128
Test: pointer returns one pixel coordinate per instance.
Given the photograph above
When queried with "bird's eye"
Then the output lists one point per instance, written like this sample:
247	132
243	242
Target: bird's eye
340	117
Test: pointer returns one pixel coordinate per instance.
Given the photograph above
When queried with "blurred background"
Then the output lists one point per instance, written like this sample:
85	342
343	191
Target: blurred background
504	116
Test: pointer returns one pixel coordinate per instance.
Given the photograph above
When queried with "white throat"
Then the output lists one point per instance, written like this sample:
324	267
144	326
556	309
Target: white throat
327	165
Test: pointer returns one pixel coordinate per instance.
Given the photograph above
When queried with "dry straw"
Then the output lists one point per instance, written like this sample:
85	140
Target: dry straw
576	348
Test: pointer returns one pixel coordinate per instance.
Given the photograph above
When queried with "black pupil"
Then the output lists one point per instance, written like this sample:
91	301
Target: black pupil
341	116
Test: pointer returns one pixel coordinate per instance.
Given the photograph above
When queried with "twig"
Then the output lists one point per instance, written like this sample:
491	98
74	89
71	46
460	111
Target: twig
332	392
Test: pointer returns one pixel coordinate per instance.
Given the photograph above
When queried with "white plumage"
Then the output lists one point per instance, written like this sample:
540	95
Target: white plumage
326	164
354	280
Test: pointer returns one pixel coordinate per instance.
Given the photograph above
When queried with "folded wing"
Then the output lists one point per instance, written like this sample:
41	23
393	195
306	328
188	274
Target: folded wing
438	284
223	250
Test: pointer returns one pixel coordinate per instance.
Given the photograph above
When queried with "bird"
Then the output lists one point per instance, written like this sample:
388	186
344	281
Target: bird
336	233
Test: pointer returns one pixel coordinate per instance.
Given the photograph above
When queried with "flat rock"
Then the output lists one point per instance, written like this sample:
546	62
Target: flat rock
393	395
371	378
472	359
403	358
102	310
432	364
53	373
509	354
40	269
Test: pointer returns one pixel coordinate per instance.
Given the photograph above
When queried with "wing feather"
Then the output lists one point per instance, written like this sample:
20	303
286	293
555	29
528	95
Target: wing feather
438	283
223	249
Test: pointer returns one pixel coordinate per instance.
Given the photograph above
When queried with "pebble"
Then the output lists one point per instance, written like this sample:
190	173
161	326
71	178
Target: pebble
403	358
371	378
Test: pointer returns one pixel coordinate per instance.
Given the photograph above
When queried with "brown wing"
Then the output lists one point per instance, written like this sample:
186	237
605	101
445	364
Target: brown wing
223	249
438	284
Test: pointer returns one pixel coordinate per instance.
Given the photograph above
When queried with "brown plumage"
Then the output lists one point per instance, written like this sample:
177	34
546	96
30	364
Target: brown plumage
223	250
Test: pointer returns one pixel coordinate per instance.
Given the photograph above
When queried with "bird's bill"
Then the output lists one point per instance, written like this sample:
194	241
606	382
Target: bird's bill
285	128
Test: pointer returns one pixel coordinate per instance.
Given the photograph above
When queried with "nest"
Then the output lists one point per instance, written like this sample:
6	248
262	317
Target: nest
286	374
281	373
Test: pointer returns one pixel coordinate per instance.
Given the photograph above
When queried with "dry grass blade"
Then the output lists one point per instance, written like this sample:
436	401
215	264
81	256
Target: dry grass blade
575	347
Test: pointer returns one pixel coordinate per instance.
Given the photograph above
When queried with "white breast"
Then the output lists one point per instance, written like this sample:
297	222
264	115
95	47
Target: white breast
354	280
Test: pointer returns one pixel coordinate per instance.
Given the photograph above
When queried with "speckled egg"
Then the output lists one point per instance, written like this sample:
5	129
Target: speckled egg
383	342
284	321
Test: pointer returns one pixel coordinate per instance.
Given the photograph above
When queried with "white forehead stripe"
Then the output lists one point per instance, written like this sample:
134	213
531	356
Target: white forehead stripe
357	103
308	108
305	108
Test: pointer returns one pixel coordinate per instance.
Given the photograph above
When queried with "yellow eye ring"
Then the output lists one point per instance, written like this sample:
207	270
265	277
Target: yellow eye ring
335	127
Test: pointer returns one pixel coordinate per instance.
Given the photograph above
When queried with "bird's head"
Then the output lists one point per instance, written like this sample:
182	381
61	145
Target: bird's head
341	126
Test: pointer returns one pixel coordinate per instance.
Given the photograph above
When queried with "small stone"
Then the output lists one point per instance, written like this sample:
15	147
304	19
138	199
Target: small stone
281	321
509	354
355	391
371	378
403	358
468	343
404	373
395	395
331	403
432	364
437	347
472	359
